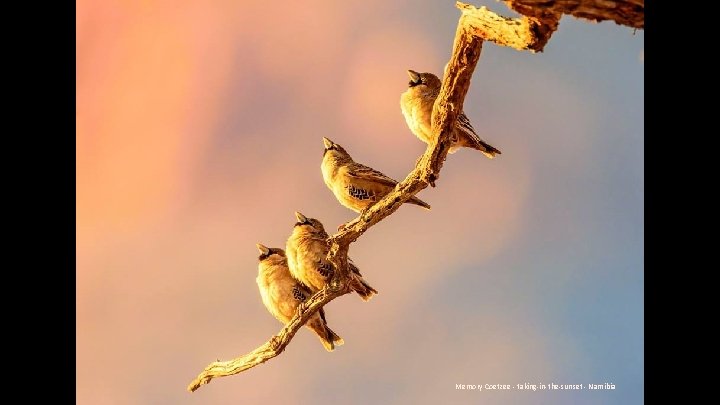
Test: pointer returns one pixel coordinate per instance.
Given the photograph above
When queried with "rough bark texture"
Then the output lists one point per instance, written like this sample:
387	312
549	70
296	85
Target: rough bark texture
526	33
630	13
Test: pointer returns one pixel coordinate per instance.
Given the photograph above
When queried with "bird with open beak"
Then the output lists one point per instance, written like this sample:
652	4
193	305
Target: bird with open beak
307	249
417	103
282	295
355	185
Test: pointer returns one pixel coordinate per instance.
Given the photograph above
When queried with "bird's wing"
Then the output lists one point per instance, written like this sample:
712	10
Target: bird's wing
325	268
366	173
464	122
463	125
302	293
353	267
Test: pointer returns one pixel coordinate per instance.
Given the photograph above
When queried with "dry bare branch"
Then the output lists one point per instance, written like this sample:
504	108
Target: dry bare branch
275	345
526	33
630	13
466	52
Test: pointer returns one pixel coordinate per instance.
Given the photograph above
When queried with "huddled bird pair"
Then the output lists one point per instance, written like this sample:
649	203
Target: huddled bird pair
287	278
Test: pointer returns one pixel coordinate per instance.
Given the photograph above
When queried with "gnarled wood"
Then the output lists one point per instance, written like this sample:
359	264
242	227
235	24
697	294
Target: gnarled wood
526	33
630	13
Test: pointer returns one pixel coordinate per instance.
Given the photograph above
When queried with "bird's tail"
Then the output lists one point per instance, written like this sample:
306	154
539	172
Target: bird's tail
328	338
468	137
333	337
486	149
364	290
417	201
357	284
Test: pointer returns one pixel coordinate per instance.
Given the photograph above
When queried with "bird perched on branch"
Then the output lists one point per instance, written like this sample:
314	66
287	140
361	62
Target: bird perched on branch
282	294
417	105
307	249
355	185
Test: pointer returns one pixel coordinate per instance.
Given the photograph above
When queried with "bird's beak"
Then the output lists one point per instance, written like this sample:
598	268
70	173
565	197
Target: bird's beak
262	248
300	217
414	77
328	143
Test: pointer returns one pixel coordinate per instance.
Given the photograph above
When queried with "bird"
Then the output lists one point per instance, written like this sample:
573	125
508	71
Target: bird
282	295
307	249
355	185
417	103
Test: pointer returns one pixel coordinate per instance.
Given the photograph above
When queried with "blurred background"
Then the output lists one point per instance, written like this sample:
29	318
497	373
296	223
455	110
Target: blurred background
199	133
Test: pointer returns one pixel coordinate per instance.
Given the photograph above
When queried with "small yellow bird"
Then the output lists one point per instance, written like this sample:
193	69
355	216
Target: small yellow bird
282	294
355	185
307	249
417	105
